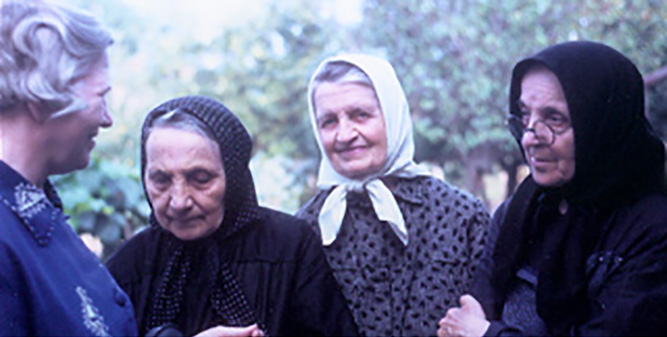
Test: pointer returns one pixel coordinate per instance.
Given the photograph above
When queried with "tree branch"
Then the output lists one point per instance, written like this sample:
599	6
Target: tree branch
655	77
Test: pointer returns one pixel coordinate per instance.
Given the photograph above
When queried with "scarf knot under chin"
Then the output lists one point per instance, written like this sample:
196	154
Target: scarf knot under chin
383	201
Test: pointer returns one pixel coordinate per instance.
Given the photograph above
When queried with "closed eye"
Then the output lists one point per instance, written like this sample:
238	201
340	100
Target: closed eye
556	119
201	177
159	179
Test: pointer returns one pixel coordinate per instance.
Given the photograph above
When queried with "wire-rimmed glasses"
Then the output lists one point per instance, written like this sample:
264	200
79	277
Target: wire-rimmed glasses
544	133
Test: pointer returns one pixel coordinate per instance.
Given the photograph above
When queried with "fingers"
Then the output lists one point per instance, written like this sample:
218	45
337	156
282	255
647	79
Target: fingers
226	331
445	330
445	324
459	317
447	316
442	332
254	331
257	332
470	305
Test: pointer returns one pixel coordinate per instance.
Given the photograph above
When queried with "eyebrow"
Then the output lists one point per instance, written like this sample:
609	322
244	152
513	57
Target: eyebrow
156	171
324	115
547	109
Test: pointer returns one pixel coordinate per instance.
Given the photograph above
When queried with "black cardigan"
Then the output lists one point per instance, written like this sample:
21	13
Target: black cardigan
280	266
626	275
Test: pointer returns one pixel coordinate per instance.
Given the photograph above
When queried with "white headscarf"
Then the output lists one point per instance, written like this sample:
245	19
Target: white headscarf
400	152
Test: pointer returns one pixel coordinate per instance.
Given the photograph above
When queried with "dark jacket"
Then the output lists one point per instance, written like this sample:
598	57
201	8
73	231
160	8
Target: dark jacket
626	274
597	266
278	262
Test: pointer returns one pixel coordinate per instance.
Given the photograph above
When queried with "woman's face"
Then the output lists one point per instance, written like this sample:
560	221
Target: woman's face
351	127
71	137
185	181
542	99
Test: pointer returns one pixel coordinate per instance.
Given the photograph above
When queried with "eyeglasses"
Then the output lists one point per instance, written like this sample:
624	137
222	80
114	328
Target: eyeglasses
543	131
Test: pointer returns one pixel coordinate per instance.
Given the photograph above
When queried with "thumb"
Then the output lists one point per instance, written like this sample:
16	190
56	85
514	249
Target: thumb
248	328
471	305
243	331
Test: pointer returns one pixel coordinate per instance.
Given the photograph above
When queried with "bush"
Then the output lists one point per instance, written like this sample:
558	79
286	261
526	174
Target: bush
106	200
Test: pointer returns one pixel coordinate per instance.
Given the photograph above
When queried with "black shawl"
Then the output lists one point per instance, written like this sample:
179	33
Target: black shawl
241	208
618	157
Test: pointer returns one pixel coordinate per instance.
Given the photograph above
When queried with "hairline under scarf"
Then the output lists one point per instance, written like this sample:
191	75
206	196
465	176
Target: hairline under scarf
613	100
400	148
241	206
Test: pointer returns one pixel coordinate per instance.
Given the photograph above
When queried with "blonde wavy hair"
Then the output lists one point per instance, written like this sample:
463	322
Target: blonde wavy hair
45	49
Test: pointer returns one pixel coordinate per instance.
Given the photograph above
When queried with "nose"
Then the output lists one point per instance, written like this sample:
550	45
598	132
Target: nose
180	200
530	136
347	131
106	121
541	133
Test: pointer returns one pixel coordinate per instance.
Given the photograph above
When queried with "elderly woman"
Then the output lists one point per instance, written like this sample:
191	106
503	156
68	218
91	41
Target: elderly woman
212	256
53	82
581	247
402	244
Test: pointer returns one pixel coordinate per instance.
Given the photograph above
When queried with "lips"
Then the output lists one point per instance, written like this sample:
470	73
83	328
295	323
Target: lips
351	152
91	138
542	164
540	159
184	220
535	155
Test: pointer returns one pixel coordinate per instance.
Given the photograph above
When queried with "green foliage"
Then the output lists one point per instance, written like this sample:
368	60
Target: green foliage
106	200
453	58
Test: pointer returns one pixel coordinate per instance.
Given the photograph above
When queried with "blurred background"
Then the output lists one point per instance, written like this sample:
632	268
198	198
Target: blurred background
453	58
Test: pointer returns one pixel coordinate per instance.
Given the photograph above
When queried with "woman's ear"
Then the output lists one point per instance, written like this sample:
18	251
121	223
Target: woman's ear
35	112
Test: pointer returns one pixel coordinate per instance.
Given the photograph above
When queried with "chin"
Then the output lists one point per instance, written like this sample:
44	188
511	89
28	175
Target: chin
548	182
81	162
192	234
71	167
186	235
355	172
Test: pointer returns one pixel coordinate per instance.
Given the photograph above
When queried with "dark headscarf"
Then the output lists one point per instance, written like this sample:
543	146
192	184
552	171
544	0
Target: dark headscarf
619	159
618	155
241	209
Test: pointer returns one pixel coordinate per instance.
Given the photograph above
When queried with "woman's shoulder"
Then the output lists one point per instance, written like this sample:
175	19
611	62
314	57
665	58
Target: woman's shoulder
646	214
311	209
445	193
277	233
637	227
654	204
280	222
133	252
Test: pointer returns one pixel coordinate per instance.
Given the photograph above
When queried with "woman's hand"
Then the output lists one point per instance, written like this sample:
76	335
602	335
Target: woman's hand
227	331
467	321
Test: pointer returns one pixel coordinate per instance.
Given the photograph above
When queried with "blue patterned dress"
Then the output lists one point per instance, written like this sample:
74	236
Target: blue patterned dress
50	283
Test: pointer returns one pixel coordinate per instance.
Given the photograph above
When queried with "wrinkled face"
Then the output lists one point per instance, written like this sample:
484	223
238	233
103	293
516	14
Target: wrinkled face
71	136
542	99
351	126
185	181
